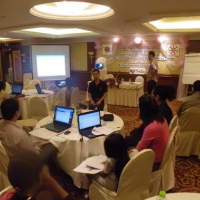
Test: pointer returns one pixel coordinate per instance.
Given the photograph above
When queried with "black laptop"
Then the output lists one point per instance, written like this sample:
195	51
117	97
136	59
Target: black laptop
39	90
62	119
87	121
16	89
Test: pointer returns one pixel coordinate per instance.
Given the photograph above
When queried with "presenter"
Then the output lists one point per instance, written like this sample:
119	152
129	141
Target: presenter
97	91
152	74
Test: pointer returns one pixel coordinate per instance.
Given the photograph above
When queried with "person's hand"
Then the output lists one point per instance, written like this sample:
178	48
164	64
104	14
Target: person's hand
27	129
98	102
93	103
37	144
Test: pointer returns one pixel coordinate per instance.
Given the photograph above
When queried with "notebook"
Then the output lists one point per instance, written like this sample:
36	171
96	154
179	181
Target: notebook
87	121
62	119
39	90
16	89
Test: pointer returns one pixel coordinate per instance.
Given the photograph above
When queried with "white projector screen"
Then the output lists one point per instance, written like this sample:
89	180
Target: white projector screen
50	62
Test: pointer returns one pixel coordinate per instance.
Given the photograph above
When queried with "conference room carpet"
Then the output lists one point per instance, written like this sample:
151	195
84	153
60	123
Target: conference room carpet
187	170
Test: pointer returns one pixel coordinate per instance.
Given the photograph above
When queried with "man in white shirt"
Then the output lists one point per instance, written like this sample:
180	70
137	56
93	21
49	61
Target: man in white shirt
14	138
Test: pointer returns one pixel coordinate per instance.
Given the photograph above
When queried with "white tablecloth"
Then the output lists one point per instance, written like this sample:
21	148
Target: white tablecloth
72	151
180	196
126	95
24	103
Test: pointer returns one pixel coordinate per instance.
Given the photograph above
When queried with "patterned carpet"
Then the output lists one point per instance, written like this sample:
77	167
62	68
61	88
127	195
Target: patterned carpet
187	170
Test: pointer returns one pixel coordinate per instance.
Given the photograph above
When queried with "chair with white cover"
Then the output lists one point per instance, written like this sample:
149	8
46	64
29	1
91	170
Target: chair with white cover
188	136
139	79
38	108
28	122
173	123
33	82
133	183
164	178
74	100
8	87
4	159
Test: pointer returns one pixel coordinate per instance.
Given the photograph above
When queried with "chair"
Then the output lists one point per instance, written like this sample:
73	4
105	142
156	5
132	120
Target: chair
8	87
173	123
139	79
28	122
164	178
4	191
4	159
133	183
38	108
74	100
33	82
188	137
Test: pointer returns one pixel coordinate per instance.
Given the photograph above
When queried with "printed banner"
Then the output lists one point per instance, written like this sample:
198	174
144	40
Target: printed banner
134	70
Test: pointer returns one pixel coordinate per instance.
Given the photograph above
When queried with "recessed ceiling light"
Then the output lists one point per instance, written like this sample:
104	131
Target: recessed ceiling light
71	10
4	38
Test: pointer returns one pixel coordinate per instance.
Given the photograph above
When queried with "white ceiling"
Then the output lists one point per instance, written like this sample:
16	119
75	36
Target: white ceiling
126	22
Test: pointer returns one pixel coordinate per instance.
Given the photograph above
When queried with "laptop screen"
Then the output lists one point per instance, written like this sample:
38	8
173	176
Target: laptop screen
89	120
16	89
38	88
63	115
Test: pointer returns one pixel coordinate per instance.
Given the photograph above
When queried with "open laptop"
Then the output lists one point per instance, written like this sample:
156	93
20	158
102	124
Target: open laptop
62	119
16	89
87	121
39	90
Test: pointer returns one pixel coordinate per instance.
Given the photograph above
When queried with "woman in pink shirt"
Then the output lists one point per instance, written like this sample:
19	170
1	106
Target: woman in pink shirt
156	133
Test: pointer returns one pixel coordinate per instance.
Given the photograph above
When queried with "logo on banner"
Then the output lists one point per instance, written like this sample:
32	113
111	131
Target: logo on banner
134	70
107	49
173	49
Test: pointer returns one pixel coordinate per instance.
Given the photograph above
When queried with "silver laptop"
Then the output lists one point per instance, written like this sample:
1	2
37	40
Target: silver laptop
63	117
87	121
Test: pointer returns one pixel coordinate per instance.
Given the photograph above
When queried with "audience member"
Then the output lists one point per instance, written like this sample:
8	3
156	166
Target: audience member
152	74
97	91
31	180
156	131
116	150
64	95
161	93
14	138
5	95
190	101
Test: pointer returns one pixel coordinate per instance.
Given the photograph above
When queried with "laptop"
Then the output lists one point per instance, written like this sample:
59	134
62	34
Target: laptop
39	90
62	119
16	89
87	121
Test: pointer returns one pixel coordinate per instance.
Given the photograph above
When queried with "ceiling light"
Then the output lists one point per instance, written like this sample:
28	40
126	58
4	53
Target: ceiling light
4	38
116	39
71	10
161	39
138	40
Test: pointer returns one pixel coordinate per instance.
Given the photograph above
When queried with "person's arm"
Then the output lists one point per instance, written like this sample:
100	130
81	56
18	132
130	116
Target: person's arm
147	138
102	98
90	98
107	168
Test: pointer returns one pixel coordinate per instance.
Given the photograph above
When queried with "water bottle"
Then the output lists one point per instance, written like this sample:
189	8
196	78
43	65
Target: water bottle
161	196
122	80
129	80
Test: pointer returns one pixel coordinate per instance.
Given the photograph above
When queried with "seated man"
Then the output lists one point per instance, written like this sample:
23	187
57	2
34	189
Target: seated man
14	138
190	101
97	91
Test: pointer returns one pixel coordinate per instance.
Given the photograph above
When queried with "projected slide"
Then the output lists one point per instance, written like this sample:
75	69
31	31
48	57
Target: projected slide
50	65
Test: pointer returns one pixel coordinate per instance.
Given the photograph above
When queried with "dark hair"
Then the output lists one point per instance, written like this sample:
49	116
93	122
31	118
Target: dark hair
2	85
196	86
68	82
9	108
23	171
152	53
115	147
149	109
96	70
164	92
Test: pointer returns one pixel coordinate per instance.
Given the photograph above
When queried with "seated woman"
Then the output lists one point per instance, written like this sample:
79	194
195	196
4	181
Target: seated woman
156	131
161	93
64	95
31	180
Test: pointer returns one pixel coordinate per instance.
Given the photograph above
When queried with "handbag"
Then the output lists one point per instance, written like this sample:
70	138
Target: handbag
108	117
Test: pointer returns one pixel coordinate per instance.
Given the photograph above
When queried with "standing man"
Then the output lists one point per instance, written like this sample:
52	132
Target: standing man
152	74
97	91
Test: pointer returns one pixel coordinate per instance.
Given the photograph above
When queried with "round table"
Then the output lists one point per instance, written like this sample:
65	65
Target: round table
181	196
72	151
24	103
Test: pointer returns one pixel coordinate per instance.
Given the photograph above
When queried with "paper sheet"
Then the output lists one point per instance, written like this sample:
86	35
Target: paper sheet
102	130
43	133
83	168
